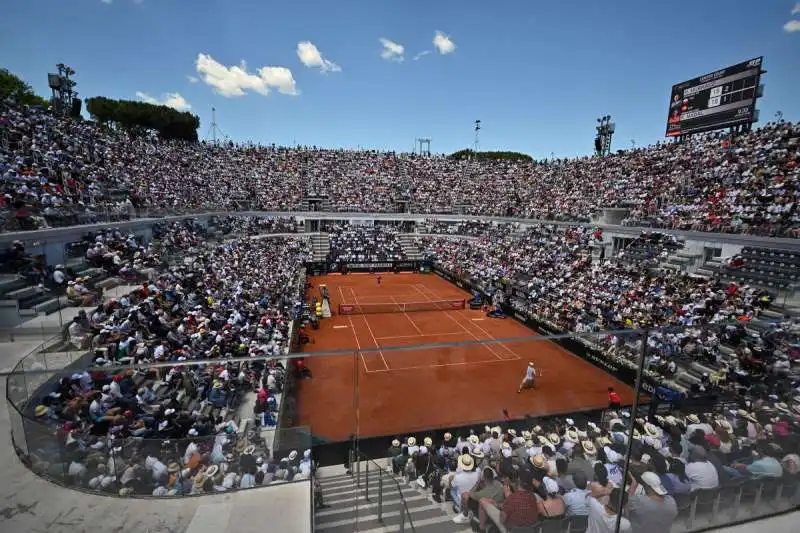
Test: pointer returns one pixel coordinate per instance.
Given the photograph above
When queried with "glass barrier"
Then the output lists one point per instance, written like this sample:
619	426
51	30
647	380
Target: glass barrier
705	415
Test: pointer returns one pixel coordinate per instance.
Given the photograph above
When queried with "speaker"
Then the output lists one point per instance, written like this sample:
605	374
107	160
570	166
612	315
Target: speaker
597	145
75	112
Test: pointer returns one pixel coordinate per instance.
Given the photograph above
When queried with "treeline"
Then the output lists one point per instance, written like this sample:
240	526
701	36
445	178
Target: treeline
13	87
469	154
139	117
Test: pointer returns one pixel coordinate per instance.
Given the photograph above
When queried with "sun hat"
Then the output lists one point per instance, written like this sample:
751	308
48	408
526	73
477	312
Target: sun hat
465	462
652	480
538	461
412	441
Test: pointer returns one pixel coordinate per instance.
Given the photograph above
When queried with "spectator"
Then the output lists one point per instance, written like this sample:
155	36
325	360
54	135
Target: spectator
603	517
655	510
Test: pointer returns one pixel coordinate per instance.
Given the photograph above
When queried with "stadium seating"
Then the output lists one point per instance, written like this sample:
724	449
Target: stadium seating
662	185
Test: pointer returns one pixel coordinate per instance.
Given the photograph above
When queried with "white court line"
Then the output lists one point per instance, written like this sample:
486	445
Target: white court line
409	318
478	319
418	336
342	295
459	324
509	350
339	327
438	365
358	345
366	322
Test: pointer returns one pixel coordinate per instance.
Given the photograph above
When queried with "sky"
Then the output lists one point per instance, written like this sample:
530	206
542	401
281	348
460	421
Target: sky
380	73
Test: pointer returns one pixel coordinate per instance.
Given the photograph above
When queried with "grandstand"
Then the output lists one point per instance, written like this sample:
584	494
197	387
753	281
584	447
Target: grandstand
180	347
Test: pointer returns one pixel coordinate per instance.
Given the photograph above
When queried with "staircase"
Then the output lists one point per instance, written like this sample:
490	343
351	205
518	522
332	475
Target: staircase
376	504
410	249
320	246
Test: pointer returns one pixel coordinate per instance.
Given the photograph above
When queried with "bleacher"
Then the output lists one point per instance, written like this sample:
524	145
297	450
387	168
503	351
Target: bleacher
764	267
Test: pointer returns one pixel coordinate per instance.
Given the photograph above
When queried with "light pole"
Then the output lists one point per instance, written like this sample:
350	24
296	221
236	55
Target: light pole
605	130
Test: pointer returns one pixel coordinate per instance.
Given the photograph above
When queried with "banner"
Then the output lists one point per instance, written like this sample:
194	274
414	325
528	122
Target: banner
320	268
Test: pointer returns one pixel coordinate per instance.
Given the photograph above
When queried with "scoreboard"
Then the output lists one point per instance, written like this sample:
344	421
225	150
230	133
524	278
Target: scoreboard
720	99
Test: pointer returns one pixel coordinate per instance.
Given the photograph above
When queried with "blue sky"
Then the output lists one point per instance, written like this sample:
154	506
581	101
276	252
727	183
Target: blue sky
536	74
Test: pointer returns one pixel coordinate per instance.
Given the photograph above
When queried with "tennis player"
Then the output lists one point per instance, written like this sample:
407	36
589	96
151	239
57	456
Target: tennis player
379	279
529	379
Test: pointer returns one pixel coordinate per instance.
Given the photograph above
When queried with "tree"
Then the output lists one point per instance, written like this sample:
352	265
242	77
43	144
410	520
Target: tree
468	154
13	87
139	117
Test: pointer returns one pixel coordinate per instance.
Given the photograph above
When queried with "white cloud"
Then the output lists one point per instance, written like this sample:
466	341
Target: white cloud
106	1
792	26
311	57
236	80
192	79
443	43
391	50
422	54
796	9
173	100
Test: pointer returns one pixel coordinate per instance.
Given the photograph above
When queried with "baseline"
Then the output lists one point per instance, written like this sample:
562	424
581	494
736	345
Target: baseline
515	355
459	324
371	334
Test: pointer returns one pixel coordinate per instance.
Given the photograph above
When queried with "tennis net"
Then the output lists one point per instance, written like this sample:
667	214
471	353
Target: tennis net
398	307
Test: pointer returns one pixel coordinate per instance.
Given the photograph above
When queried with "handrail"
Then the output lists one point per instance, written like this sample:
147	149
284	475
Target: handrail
405	513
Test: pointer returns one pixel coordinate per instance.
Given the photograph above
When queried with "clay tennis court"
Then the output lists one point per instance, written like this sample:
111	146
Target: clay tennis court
414	390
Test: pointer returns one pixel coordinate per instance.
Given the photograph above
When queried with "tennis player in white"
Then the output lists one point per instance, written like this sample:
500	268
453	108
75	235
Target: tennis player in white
528	380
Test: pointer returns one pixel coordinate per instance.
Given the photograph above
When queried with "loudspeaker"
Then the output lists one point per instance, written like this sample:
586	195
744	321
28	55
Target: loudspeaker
75	112
597	145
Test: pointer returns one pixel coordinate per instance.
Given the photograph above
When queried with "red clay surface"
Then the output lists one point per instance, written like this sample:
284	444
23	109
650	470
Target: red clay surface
406	391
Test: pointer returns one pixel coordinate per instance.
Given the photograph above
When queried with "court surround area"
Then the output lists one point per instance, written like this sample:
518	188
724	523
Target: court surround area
401	391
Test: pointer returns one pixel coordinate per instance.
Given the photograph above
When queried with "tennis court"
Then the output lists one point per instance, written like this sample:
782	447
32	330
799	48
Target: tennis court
408	390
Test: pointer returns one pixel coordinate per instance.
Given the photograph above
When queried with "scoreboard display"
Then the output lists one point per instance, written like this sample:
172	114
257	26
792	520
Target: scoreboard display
720	99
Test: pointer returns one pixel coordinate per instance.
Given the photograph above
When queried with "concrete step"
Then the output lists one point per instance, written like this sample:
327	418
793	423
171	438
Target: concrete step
770	314
51	305
27	291
348	508
11	282
109	283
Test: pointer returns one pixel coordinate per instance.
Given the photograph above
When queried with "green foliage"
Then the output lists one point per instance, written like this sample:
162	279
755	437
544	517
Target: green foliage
468	154
139	117
13	87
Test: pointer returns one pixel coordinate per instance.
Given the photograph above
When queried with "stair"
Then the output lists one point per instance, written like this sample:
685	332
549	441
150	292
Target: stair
411	251
350	508
320	246
11	282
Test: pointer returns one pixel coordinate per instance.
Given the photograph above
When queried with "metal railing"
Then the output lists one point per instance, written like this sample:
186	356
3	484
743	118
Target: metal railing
381	489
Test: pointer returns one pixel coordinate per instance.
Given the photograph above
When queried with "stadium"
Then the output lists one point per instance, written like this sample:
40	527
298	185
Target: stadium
209	335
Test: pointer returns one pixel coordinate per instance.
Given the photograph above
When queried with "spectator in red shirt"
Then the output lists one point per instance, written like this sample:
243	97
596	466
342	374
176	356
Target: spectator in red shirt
519	508
614	401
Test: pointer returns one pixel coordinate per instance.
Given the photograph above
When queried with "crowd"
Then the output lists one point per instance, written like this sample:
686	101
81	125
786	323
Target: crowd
572	469
353	243
551	275
470	228
252	225
174	431
57	171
